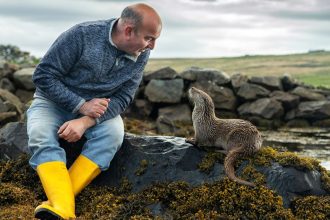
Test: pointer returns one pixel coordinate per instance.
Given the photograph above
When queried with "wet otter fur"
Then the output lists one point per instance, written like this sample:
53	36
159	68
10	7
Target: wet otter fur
234	137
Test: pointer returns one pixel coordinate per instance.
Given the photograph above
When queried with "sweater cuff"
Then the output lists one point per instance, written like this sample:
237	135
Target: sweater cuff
76	109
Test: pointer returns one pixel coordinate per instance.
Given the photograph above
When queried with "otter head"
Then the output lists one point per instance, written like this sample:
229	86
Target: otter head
200	98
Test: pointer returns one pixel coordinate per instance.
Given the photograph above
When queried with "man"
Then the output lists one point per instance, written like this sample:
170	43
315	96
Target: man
85	80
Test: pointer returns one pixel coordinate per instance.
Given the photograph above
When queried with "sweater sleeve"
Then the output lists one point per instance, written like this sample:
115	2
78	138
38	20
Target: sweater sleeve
57	62
120	100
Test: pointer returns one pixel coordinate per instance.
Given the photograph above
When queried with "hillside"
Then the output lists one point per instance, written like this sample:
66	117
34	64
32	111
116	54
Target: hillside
312	68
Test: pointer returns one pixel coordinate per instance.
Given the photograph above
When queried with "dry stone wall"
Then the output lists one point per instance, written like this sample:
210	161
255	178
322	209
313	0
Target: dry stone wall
162	96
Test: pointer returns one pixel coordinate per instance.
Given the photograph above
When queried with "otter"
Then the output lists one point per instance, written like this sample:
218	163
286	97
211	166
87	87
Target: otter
234	137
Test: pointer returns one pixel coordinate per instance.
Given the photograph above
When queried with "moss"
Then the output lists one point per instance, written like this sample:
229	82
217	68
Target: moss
207	163
20	192
312	207
142	169
136	126
12	194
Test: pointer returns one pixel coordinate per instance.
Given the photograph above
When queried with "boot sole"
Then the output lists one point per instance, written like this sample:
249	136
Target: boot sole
46	214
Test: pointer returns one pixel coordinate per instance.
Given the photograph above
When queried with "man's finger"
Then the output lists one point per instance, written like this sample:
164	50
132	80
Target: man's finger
62	128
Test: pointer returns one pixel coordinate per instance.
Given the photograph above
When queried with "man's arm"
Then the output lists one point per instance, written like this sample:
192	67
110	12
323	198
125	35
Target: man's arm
123	97
57	62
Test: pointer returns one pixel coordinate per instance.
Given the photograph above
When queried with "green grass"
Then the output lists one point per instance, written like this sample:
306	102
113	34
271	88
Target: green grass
311	68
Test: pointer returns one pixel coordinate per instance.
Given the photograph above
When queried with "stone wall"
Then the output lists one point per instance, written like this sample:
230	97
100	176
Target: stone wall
162	96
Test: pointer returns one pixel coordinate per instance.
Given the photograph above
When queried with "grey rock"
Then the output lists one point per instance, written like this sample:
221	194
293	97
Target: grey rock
201	74
289	101
314	110
164	91
14	100
237	80
170	118
289	182
6	84
250	91
163	73
308	94
269	82
23	78
297	123
143	107
265	107
223	97
24	96
3	107
288	82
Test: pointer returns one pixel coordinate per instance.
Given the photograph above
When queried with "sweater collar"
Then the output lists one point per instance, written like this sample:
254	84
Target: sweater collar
113	22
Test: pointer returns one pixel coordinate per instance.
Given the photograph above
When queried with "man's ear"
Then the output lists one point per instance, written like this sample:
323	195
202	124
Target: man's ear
128	31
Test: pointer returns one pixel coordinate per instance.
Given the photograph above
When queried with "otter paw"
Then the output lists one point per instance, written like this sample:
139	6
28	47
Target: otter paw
191	141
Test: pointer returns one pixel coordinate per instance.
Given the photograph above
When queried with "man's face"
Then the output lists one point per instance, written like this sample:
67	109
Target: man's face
143	38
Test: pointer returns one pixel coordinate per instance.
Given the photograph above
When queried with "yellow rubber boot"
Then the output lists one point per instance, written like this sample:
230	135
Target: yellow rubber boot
56	182
82	172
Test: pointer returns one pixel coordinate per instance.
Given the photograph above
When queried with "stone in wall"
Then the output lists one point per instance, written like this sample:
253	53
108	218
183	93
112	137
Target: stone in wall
265	107
163	73
269	82
249	91
201	74
164	91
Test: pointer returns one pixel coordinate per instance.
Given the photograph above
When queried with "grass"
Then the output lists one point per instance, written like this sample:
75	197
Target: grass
312	68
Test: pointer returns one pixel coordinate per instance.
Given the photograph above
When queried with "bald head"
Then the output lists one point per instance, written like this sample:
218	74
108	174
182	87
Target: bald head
140	15
137	29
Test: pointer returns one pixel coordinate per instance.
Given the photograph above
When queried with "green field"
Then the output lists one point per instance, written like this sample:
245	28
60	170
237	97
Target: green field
312	68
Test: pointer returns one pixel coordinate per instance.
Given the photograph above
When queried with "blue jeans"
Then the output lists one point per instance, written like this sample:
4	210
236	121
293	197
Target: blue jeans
44	118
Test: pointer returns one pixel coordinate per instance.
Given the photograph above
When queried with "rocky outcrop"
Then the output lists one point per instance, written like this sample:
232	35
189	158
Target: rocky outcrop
146	160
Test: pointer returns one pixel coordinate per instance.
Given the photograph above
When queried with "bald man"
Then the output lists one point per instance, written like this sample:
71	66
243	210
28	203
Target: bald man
84	82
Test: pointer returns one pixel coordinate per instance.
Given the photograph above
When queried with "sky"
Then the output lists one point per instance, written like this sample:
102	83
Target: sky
191	28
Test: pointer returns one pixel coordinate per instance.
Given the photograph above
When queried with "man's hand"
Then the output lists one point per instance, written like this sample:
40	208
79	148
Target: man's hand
95	108
73	130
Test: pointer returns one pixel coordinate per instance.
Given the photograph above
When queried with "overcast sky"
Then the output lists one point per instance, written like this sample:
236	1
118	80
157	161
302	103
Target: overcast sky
191	28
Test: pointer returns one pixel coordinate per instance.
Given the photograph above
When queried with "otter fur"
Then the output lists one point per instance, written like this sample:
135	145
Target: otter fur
234	137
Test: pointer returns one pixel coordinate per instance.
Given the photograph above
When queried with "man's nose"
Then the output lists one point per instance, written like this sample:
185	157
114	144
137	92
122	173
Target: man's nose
151	44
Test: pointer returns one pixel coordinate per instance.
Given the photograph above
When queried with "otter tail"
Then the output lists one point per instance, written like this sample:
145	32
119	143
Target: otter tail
229	163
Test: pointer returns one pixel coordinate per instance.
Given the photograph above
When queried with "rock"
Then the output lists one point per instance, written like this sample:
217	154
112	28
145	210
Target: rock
288	100
297	123
288	82
307	94
11	98
237	80
23	78
13	140
289	182
322	123
164	91
145	160
250	91
269	82
24	96
265	107
223	97
264	123
163	73
6	84
7	69
3	107
170	118
200	74
314	110
143	107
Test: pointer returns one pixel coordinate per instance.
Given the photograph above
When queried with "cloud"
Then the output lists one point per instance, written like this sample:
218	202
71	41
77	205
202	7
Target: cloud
191	28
